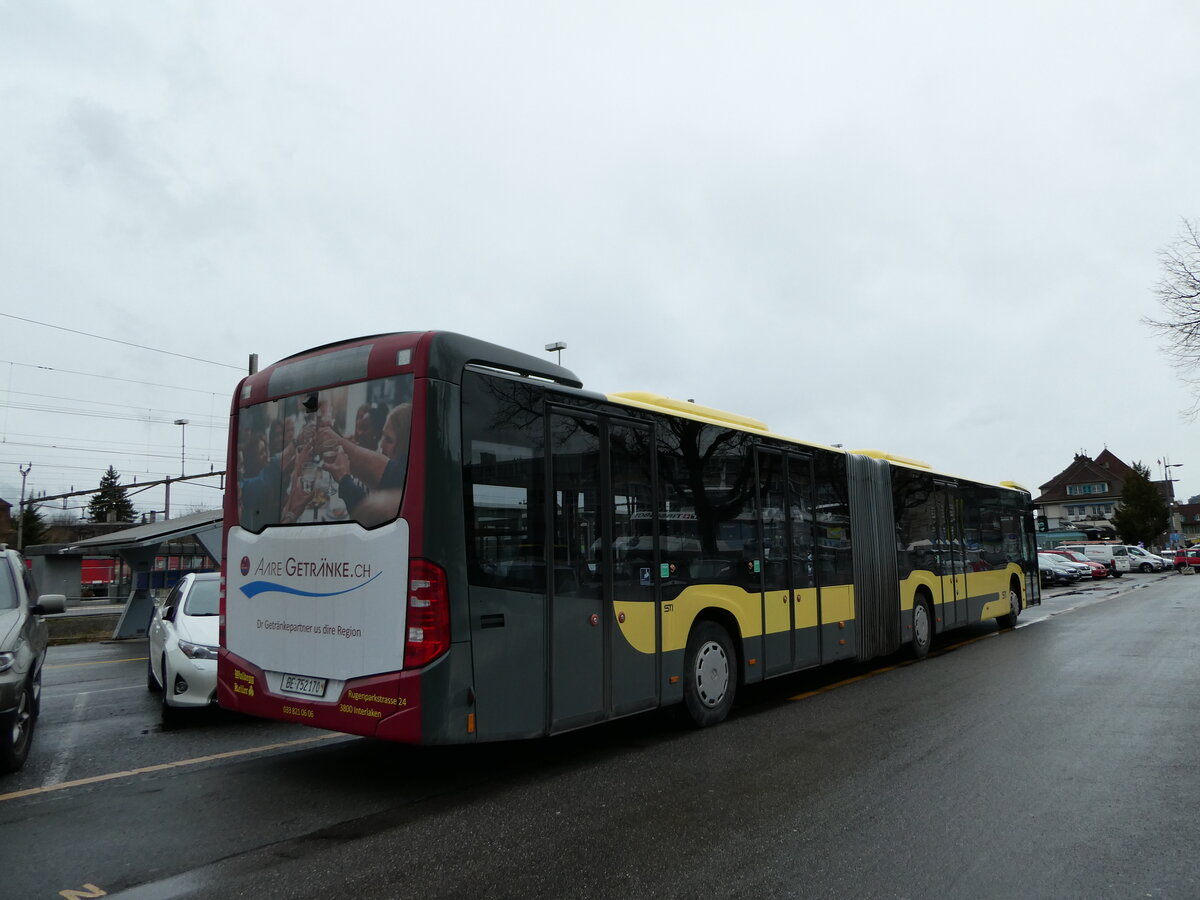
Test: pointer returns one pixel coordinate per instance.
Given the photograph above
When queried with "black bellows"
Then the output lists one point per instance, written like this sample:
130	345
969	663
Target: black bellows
873	536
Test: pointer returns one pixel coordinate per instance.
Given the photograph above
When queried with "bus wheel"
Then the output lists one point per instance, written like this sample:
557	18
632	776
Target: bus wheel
710	667
922	627
1009	620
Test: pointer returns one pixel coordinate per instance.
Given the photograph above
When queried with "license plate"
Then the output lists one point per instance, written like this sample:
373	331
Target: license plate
301	684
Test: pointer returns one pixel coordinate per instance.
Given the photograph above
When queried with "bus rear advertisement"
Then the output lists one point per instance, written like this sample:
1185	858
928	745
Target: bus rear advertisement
433	539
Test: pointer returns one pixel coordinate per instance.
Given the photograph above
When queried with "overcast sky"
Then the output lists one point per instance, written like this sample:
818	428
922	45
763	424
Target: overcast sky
930	228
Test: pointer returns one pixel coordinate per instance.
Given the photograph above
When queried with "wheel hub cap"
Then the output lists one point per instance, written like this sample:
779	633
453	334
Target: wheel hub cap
712	674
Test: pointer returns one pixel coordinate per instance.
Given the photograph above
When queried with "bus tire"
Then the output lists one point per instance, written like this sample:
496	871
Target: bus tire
710	674
1009	620
922	627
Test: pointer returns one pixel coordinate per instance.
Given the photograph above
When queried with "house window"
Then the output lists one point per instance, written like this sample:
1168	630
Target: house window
1099	487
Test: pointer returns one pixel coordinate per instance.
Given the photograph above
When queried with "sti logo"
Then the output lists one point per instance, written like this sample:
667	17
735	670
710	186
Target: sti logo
245	565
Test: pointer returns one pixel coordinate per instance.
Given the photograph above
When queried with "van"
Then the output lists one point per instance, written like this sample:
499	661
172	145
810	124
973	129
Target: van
1144	560
1114	556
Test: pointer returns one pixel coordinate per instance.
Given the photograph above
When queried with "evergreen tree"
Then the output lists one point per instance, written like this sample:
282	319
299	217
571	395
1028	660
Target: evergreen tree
1143	515
31	527
111	498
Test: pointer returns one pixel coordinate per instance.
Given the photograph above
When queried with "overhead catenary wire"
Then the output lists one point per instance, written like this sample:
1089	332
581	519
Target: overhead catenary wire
64	456
62	371
101	337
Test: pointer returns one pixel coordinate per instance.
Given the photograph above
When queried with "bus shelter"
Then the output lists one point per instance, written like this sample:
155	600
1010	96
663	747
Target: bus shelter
140	548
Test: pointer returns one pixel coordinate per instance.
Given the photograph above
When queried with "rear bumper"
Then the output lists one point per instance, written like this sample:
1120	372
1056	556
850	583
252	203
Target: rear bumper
387	706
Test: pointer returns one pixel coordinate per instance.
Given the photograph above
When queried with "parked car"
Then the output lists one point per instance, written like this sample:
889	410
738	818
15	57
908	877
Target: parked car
1095	569
1143	560
1083	568
23	639
183	639
1056	570
1115	556
1188	557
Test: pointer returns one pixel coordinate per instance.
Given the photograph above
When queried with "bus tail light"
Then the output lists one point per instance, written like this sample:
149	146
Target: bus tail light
428	621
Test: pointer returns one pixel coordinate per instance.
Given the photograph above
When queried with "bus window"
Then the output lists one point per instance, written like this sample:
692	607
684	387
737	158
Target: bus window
503	467
706	505
300	460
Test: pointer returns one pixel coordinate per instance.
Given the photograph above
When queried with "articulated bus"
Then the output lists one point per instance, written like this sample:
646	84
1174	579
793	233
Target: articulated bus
432	539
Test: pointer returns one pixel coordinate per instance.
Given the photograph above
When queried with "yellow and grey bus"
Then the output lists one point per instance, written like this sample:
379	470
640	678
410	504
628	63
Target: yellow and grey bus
433	539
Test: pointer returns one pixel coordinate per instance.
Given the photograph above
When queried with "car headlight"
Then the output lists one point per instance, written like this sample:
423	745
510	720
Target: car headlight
6	661
198	651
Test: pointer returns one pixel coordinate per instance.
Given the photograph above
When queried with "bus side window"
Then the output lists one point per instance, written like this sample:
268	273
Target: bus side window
503	462
834	546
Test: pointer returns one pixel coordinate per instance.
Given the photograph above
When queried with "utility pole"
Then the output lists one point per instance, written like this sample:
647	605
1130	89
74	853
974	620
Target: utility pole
183	423
21	515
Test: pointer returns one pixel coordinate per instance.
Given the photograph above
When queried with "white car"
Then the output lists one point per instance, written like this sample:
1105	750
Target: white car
1144	560
183	635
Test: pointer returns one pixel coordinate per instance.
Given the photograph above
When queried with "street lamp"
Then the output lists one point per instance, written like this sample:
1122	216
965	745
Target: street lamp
560	346
182	423
1174	524
24	470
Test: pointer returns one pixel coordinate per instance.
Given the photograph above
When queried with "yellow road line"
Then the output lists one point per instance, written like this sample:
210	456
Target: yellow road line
831	687
101	662
143	770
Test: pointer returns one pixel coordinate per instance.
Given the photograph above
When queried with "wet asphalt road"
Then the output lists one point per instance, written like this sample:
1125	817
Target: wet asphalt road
1058	759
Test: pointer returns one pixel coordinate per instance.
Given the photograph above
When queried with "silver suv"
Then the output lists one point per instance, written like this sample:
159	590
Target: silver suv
22	653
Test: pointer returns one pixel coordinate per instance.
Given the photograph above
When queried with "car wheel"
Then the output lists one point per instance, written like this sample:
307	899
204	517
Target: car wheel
922	627
1009	620
170	714
1146	568
710	672
16	732
37	694
151	681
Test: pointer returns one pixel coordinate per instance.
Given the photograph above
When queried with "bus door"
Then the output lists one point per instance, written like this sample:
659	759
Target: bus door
954	558
790	603
603	619
629	584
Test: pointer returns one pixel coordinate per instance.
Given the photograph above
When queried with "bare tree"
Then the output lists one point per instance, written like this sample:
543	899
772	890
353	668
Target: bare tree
1179	294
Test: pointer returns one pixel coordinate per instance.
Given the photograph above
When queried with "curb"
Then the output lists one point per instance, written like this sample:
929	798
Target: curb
81	629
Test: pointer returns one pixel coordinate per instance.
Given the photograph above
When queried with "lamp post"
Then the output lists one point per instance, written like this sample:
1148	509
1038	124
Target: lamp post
182	423
21	513
1166	464
1173	525
559	346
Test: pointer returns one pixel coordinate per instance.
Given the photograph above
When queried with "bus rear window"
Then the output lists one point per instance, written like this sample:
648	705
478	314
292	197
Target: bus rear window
336	455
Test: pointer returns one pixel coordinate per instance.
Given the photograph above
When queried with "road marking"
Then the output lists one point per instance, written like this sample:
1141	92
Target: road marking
900	665
47	692
161	767
1020	624
102	662
58	771
89	892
